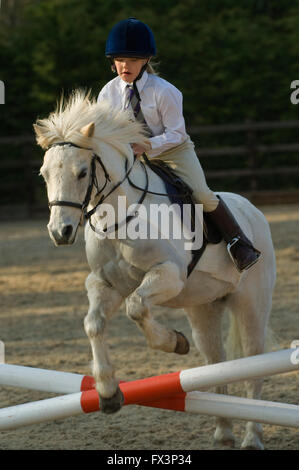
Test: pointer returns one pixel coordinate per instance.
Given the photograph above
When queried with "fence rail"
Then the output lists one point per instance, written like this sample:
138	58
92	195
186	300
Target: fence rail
251	149
246	126
246	150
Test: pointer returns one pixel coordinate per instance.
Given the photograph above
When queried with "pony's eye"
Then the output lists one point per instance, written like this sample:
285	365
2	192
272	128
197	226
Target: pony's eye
82	174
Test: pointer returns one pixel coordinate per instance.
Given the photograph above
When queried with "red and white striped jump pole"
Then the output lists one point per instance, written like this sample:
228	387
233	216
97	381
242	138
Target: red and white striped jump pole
211	404
160	386
165	391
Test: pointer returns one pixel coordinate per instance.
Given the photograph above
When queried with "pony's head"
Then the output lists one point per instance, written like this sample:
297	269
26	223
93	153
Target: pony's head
67	169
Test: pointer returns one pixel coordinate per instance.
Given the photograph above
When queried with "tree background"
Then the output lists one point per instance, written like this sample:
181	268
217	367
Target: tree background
233	60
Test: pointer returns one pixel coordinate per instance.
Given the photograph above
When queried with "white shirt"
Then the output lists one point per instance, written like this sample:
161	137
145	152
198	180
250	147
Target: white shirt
161	105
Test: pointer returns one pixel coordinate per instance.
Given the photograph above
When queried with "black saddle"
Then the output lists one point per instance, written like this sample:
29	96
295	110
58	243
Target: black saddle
180	193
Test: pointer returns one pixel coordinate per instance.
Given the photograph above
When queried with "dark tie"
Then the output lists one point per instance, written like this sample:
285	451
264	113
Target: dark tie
131	99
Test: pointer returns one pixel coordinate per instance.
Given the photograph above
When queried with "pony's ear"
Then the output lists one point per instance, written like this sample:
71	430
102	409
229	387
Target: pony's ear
88	130
40	132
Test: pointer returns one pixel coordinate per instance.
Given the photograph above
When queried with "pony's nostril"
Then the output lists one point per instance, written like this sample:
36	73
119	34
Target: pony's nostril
67	231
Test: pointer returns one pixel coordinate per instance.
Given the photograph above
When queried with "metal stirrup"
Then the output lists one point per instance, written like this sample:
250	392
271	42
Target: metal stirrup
229	247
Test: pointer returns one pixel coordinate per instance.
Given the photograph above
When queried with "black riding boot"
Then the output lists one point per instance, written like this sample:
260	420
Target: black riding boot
240	249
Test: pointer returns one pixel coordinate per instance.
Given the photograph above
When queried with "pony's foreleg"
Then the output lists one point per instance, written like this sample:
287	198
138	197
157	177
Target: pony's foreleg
160	284
103	301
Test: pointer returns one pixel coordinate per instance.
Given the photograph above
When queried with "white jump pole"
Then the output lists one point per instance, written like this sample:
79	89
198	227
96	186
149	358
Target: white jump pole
157	387
260	411
43	380
40	411
247	368
226	406
211	404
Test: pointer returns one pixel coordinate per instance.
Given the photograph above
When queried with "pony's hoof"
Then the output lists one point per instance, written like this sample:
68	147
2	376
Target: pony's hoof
226	443
254	438
112	404
252	443
182	344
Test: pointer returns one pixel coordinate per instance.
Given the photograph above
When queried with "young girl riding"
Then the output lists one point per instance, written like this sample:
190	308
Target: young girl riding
159	105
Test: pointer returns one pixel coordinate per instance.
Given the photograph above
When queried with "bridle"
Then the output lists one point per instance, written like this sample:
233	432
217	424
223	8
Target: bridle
93	183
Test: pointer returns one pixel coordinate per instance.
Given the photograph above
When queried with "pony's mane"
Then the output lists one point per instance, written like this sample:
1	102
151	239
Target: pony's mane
111	127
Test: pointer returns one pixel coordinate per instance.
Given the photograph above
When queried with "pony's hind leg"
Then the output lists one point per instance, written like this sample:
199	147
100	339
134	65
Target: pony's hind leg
205	321
251	314
160	284
103	301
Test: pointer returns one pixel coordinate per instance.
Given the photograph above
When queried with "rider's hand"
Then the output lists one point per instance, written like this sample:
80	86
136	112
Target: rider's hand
140	149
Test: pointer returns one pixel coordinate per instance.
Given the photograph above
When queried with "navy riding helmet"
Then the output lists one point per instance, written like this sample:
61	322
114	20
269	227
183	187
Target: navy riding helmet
130	38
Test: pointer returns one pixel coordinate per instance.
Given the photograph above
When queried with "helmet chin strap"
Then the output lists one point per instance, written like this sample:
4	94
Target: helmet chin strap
143	69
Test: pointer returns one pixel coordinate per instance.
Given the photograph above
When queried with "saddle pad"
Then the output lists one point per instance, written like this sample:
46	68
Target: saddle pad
180	193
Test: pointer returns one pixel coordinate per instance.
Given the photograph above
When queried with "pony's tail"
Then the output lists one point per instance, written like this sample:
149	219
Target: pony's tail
233	346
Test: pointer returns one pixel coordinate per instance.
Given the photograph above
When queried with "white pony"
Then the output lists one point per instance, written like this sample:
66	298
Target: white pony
89	156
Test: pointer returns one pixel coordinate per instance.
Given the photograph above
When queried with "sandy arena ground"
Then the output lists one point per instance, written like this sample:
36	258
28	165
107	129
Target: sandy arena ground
43	304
